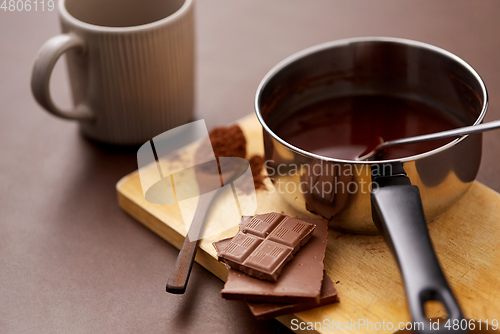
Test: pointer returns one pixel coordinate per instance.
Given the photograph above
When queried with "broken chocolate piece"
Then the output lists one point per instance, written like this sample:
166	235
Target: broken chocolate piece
300	280
270	310
264	244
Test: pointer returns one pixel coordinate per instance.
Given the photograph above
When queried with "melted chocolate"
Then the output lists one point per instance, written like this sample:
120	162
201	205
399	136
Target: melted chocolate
345	128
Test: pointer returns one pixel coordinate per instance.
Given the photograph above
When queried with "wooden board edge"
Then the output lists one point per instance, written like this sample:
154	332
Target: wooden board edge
170	235
495	193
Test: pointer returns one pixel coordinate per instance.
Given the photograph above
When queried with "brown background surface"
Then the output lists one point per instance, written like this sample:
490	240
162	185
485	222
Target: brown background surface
70	260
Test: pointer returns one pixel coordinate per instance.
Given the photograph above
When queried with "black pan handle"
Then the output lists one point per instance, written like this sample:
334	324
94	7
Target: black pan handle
398	213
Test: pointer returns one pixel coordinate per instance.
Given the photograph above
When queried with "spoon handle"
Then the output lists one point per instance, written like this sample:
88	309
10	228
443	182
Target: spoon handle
444	134
179	277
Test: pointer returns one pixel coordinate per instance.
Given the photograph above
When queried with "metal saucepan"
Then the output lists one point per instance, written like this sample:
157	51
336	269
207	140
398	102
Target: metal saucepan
404	193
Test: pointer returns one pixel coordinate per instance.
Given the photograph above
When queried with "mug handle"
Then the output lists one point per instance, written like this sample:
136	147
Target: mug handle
42	70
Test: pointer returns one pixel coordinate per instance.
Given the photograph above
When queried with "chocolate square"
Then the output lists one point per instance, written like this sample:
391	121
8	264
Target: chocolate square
240	247
268	258
290	232
261	225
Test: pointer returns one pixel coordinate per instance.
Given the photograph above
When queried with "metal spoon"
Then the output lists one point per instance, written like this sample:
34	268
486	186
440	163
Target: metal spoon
206	178
378	151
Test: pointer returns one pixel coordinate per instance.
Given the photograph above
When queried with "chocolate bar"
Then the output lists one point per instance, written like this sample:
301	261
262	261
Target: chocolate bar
300	280
264	244
263	311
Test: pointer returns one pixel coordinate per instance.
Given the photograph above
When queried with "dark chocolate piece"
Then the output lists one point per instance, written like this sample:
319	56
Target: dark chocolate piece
264	244
300	280
328	296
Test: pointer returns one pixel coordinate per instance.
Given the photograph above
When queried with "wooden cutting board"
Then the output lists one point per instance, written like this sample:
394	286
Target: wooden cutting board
466	239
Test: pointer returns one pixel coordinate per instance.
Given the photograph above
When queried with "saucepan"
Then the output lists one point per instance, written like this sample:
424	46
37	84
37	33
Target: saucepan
403	193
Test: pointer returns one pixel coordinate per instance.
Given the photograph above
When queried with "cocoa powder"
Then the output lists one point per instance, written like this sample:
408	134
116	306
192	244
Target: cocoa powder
256	165
228	141
231	142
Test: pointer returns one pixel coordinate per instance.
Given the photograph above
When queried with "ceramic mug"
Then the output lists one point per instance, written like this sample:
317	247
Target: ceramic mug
130	64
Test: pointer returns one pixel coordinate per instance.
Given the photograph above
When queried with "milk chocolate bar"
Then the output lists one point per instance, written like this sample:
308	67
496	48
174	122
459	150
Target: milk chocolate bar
300	281
328	296
264	244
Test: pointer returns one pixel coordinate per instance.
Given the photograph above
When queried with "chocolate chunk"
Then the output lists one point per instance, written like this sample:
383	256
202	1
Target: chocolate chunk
265	244
260	225
263	311
290	232
300	280
268	256
240	247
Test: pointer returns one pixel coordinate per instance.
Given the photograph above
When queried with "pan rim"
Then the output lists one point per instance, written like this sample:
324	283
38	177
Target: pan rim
311	50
